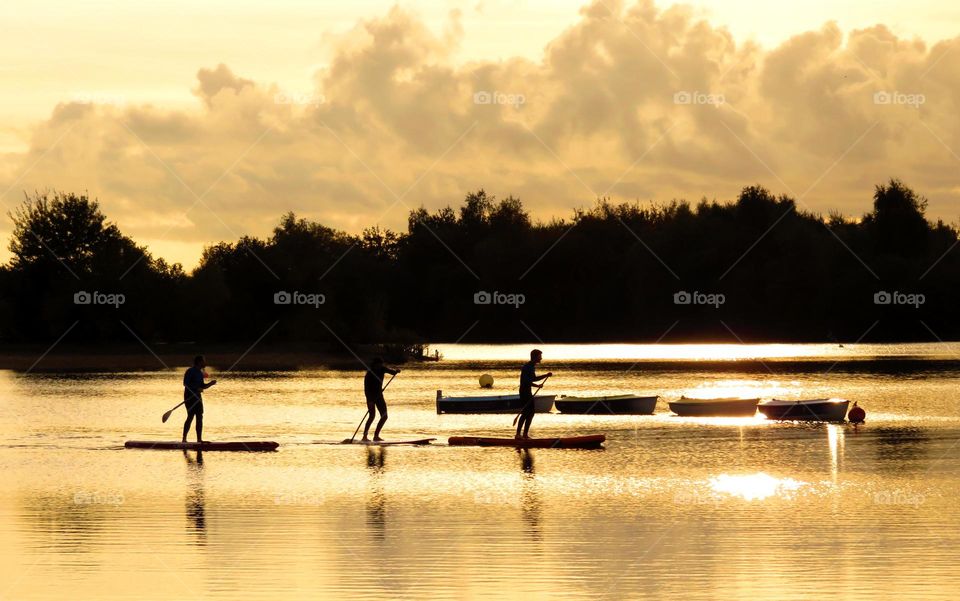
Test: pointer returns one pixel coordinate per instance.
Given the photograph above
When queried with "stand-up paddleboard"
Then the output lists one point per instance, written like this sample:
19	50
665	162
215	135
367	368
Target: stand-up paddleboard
250	445
593	441
389	443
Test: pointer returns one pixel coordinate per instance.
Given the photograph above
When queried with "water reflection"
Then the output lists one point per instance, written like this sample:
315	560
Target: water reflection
898	444
754	487
531	504
835	442
196	499
377	502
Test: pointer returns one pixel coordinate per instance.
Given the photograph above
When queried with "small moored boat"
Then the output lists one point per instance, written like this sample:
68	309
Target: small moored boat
620	404
592	441
504	403
729	407
821	410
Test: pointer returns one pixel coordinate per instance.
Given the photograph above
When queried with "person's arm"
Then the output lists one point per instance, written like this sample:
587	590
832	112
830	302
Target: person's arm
543	377
392	372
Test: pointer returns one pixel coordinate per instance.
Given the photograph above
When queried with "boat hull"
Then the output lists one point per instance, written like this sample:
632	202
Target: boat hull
607	405
714	407
593	441
161	445
820	410
509	403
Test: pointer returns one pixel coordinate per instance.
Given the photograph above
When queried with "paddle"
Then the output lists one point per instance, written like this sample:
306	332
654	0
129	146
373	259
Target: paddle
350	440
166	415
534	394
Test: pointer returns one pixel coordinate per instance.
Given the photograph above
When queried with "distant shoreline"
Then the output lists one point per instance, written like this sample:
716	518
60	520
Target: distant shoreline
238	357
159	357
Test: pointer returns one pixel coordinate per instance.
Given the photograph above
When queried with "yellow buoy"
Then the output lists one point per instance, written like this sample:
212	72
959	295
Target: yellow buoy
486	381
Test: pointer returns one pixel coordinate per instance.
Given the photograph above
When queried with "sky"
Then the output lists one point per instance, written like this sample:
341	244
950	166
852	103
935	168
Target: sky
199	122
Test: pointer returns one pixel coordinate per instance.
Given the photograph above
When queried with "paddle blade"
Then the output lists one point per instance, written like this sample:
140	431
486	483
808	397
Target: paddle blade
347	441
166	416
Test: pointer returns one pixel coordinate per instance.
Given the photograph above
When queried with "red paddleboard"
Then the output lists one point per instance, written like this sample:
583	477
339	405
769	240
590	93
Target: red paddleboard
387	443
593	441
251	445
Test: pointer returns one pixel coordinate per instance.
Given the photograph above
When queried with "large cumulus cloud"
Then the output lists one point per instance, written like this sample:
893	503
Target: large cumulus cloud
631	101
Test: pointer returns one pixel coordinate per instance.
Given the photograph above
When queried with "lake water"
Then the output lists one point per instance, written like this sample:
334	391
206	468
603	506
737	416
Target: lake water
671	508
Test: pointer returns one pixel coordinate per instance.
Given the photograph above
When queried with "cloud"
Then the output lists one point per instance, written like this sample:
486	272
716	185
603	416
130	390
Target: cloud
630	101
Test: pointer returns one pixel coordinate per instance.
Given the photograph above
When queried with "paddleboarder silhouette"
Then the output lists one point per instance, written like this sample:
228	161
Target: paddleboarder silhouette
193	387
373	390
528	380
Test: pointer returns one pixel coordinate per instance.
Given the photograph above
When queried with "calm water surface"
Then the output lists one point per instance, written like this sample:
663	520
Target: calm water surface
672	508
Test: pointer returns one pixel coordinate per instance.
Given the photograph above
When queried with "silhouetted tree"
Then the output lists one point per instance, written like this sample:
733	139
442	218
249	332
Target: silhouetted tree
608	273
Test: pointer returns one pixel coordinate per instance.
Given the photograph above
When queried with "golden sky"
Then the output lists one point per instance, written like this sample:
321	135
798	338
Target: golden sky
197	122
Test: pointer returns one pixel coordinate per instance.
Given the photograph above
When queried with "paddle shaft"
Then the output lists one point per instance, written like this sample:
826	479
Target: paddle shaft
368	411
539	388
166	415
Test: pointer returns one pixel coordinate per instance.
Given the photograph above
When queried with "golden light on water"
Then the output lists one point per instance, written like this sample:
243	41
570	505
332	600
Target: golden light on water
754	487
739	389
835	440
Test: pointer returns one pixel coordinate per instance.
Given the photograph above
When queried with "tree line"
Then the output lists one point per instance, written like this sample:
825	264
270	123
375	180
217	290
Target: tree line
753	269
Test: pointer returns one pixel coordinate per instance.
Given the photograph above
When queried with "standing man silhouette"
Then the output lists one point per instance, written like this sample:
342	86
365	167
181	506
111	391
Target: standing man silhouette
373	390
193	387
528	380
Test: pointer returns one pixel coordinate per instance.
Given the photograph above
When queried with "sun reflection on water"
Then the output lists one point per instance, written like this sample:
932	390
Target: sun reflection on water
754	487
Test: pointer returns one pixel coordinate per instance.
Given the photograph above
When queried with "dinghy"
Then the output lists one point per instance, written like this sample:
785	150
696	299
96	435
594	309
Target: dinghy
166	445
730	407
621	404
821	410
593	441
505	403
